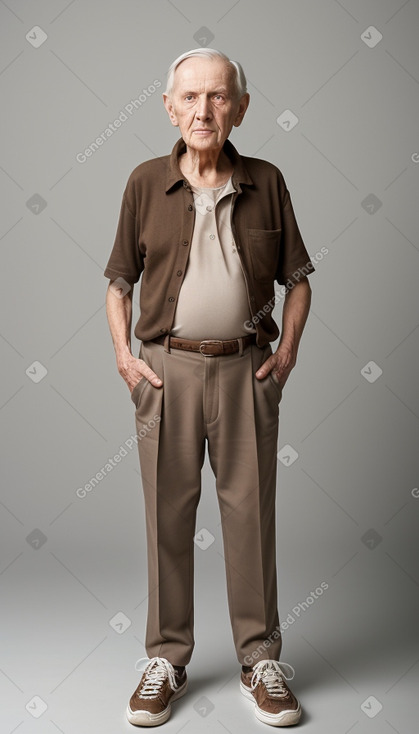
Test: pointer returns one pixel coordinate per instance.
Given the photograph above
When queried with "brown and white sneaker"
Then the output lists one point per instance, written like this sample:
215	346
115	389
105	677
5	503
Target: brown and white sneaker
160	684
265	685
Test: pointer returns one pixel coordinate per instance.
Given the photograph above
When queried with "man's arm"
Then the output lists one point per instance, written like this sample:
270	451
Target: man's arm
294	316
119	313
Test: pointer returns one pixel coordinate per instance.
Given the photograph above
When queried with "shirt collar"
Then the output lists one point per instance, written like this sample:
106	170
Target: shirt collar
175	175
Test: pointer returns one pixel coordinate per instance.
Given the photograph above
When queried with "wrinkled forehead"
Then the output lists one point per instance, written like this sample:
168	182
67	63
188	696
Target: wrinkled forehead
200	74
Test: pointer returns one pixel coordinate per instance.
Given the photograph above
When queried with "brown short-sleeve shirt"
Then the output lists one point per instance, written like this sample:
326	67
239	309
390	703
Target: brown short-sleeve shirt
155	230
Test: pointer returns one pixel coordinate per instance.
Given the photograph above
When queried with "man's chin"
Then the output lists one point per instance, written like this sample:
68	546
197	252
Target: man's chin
206	142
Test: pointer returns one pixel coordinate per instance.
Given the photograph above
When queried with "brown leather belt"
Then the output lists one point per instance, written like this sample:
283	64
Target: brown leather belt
208	347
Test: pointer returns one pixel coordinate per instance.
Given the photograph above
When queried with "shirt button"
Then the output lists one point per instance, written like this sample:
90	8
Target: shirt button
171	299
209	208
185	242
212	236
179	272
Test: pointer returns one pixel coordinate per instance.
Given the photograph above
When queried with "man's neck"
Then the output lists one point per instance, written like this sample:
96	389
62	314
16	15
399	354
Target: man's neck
206	170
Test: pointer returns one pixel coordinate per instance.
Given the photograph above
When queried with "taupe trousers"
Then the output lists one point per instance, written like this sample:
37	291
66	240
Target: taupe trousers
218	399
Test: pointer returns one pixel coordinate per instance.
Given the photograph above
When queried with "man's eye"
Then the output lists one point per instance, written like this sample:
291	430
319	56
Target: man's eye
188	97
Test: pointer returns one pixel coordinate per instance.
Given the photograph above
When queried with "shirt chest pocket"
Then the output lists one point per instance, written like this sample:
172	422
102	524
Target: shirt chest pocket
264	247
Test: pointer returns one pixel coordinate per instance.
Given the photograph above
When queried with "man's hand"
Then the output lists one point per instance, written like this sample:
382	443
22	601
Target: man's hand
119	313
280	364
133	370
294	316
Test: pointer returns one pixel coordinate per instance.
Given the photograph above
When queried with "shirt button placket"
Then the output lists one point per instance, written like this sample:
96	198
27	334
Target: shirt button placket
213	223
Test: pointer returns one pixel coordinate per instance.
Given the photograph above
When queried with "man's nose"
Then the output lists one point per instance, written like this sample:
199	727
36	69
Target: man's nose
203	111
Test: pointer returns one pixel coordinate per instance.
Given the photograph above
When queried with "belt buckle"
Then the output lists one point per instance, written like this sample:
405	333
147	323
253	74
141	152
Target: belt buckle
208	342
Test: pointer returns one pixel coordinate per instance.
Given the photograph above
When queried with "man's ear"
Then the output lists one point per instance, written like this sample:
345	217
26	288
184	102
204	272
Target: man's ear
170	111
243	105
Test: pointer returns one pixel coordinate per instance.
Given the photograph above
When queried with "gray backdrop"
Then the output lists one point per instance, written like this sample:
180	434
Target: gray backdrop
73	569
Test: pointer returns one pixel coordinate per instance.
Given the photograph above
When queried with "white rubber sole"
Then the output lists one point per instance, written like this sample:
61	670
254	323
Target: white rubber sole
144	718
285	718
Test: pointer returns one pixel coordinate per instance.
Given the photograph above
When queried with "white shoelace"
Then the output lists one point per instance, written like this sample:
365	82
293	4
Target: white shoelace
156	670
272	674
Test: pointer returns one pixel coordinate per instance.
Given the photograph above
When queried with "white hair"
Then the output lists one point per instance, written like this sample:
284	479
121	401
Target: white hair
209	53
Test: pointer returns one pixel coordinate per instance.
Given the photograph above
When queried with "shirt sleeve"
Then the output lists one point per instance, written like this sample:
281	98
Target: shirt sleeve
126	260
294	260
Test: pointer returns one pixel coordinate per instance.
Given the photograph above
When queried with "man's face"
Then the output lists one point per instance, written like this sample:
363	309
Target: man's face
204	103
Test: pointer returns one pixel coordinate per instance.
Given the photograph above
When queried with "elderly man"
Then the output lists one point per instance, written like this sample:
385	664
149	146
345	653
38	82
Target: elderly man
210	231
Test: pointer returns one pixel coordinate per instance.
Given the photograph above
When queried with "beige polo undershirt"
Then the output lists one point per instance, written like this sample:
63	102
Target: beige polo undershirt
212	302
